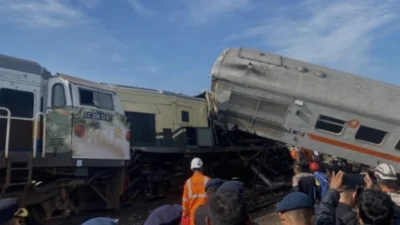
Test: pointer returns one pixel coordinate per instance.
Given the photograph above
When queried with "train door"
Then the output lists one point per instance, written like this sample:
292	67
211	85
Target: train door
183	134
58	116
22	101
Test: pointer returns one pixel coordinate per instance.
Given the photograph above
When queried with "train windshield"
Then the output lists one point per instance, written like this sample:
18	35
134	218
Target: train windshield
95	98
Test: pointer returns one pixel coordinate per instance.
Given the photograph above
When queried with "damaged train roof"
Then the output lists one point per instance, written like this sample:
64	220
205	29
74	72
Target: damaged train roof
307	81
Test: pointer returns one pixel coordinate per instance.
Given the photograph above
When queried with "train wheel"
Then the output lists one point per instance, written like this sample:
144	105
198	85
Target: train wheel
53	211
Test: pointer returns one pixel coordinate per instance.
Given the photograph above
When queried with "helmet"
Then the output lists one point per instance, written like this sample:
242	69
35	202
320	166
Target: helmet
385	172
314	167
196	163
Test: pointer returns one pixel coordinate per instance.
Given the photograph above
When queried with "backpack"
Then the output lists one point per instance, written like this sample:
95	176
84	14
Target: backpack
323	182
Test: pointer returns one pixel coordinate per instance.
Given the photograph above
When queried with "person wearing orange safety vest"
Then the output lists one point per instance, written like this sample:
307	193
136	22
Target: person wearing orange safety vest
194	194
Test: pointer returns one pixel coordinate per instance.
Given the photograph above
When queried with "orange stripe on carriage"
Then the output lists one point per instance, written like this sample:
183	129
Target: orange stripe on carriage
355	148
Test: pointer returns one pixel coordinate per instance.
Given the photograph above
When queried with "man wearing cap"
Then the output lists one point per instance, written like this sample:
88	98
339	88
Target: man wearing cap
10	212
345	214
194	193
296	208
386	178
101	221
233	185
202	211
165	215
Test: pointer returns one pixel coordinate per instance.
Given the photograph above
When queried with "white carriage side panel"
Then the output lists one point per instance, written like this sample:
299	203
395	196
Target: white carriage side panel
300	126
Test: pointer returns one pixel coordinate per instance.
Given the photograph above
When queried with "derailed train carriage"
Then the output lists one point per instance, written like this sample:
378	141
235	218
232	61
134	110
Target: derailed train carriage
308	106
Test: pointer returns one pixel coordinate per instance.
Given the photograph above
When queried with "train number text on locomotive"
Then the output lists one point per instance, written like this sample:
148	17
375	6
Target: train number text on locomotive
97	116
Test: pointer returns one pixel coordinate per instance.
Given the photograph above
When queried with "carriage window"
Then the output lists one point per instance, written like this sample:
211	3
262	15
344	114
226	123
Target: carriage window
20	103
58	98
86	97
398	145
330	124
184	116
370	135
104	101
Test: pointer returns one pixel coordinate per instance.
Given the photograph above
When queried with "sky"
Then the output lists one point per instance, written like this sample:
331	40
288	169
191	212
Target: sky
172	44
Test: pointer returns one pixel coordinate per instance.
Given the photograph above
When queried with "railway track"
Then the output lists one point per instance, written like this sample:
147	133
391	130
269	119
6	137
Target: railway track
266	197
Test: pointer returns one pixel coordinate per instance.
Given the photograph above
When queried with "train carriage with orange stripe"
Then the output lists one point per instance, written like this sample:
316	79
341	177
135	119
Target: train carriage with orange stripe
306	105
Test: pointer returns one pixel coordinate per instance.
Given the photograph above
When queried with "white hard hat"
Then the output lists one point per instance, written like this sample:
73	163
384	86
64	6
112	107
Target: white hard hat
196	163
385	172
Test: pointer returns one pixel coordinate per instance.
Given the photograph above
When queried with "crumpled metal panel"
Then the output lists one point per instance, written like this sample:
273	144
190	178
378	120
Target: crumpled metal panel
256	70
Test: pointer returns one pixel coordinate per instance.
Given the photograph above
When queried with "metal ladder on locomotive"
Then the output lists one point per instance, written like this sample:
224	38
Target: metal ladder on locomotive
18	165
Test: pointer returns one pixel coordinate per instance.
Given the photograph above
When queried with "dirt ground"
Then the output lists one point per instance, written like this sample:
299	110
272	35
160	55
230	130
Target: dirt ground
136	215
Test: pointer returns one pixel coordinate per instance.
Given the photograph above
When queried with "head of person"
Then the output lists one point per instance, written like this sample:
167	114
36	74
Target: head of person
314	167
374	207
101	221
196	164
296	208
213	185
227	207
386	177
232	185
297	168
11	213
348	195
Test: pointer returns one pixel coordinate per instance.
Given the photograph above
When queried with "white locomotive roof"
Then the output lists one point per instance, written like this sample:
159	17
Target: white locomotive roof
154	91
306	81
87	83
23	65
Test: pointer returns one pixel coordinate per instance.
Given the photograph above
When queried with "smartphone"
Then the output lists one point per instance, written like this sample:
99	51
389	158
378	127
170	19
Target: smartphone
353	180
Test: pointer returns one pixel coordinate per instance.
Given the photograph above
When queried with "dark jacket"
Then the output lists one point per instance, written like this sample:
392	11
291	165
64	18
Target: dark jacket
326	211
307	186
396	219
201	214
345	215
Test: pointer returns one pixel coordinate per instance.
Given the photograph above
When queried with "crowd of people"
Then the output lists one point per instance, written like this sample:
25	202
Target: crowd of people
330	192
323	194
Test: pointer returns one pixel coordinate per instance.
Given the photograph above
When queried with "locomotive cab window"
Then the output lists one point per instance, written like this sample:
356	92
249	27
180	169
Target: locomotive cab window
330	124
96	99
370	135
104	101
185	116
20	103
86	97
58	96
